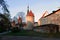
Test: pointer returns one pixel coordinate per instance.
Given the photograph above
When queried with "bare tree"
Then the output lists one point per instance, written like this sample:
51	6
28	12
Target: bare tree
4	8
4	5
22	15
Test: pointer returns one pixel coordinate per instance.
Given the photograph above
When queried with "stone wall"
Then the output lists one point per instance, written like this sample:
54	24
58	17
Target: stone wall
54	18
51	19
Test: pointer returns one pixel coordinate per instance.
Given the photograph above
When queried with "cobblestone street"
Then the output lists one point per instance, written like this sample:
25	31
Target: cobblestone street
26	38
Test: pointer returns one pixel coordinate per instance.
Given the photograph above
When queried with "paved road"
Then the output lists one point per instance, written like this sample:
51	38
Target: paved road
25	38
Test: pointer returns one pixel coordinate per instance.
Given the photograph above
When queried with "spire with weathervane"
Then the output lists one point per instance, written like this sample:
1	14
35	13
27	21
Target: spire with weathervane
27	9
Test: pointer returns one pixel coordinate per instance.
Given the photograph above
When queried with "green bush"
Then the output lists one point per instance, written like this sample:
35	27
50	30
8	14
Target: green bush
15	29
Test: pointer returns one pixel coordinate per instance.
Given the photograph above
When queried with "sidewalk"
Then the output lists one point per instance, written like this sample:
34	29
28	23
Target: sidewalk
4	33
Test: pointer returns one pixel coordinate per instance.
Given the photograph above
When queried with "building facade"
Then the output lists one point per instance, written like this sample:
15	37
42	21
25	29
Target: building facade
44	14
53	18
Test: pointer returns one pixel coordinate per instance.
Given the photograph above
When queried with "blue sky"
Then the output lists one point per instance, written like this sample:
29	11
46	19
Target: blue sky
38	7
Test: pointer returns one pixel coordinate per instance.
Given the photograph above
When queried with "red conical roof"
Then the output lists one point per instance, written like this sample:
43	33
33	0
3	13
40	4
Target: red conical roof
19	18
30	13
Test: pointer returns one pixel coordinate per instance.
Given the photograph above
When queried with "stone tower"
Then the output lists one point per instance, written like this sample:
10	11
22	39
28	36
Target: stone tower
29	16
29	20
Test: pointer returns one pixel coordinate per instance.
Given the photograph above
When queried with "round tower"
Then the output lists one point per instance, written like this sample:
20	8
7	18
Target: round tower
29	16
19	20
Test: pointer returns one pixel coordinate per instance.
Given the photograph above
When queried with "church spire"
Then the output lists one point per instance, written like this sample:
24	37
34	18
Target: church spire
27	9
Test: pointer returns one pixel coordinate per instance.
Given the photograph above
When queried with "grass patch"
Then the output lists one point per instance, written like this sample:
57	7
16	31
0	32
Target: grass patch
33	33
